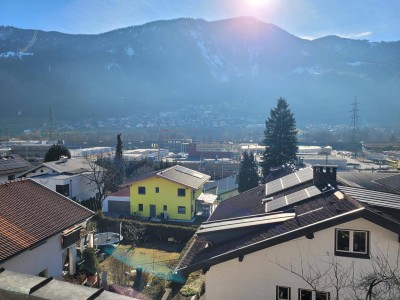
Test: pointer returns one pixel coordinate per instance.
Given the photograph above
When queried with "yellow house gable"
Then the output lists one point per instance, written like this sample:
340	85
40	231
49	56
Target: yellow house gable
154	196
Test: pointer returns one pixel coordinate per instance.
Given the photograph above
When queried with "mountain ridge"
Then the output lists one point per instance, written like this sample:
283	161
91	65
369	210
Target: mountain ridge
162	65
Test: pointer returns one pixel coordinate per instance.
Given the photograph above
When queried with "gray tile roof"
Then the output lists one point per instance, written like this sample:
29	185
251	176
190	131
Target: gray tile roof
184	176
178	174
391	182
378	181
72	166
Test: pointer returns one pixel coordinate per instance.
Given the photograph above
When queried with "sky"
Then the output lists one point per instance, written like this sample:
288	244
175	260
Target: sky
374	20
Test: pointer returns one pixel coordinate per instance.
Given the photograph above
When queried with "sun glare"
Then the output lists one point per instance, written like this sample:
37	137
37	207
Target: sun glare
257	2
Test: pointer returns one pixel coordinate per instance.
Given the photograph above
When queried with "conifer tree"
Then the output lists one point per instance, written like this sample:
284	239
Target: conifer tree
280	137
55	152
248	176
118	150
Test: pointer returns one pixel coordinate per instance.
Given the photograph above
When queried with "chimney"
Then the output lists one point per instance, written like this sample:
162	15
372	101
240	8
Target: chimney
324	175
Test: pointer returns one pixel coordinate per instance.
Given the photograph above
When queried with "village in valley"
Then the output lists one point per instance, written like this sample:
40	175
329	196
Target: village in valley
187	221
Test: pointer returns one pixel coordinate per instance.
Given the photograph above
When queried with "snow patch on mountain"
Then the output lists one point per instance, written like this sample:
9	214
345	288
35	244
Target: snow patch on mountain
253	60
129	51
20	55
313	70
355	63
113	66
215	61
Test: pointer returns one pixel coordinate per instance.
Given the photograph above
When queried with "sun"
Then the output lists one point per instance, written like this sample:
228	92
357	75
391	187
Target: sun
256	2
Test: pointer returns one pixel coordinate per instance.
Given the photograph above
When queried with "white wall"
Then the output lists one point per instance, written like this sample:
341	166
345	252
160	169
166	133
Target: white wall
80	186
257	276
40	171
47	256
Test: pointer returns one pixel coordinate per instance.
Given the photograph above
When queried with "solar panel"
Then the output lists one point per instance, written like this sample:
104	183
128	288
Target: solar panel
244	222
189	172
9	163
292	198
288	181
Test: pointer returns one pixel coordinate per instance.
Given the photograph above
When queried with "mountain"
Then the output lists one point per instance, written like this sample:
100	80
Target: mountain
164	65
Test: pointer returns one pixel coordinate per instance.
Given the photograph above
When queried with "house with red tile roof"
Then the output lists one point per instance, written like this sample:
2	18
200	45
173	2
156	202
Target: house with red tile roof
39	229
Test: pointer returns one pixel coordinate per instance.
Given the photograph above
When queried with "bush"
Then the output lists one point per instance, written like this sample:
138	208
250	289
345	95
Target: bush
155	287
90	263
195	284
156	230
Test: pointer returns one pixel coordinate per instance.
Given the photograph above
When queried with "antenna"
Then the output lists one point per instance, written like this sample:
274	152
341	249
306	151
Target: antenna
355	127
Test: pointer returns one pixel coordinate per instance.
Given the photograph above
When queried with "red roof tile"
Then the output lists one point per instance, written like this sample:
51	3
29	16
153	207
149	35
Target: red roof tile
31	213
125	192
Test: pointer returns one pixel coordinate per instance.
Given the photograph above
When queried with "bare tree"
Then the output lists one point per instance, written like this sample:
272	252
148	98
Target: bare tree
103	176
134	232
380	279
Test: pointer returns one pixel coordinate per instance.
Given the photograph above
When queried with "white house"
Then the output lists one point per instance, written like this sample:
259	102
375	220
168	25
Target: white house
39	229
299	237
69	177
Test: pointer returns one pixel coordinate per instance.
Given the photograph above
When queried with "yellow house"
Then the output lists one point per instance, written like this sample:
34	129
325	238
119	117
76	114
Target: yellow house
170	193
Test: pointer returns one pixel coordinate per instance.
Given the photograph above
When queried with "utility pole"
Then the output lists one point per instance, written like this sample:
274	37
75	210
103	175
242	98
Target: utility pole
355	127
50	124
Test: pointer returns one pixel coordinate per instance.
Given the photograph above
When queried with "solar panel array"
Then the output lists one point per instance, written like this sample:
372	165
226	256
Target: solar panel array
289	181
189	172
372	197
244	222
292	198
9	163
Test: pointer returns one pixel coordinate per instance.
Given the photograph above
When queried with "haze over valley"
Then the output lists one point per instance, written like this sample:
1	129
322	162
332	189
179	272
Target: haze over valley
238	65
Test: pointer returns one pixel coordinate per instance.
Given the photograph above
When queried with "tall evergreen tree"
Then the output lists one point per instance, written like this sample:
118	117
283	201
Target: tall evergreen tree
248	176
118	150
280	137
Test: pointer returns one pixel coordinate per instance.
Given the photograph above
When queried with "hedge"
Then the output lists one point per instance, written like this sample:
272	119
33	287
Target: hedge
157	231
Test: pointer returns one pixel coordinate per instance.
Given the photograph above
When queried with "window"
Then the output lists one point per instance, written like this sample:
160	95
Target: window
181	210
157	190
165	208
305	294
181	192
140	207
141	190
322	296
282	293
352	243
11	177
308	295
63	189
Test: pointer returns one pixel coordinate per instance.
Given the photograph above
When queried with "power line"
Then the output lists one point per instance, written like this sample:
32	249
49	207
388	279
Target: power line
355	127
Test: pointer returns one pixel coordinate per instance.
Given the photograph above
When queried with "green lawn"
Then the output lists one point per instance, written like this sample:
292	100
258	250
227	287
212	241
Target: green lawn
154	258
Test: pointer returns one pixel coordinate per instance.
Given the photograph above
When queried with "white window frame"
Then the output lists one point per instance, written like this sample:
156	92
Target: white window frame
351	241
283	287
